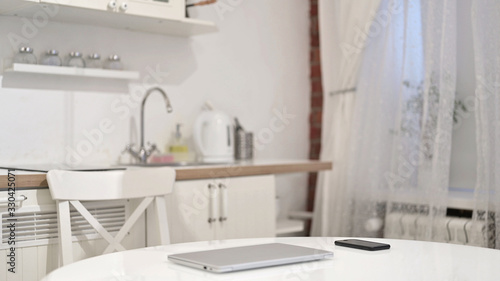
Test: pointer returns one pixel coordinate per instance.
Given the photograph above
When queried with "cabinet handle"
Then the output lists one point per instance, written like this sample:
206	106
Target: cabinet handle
212	217
124	6
223	205
112	5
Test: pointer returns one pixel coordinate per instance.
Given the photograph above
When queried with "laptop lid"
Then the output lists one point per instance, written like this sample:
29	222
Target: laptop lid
249	257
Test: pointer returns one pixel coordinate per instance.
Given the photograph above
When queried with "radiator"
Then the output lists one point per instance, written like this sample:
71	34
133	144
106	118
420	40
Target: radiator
454	230
36	233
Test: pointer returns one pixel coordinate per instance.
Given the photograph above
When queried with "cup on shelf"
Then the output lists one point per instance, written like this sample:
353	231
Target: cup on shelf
113	63
75	59
51	57
25	55
94	61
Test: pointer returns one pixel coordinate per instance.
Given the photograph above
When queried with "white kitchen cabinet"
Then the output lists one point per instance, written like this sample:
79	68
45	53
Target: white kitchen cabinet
236	207
150	16
102	5
250	208
13	5
173	9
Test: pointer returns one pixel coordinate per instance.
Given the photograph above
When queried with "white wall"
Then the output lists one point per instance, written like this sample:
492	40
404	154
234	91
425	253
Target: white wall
257	63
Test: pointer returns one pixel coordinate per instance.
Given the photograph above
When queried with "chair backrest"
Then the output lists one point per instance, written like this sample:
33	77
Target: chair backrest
69	187
110	185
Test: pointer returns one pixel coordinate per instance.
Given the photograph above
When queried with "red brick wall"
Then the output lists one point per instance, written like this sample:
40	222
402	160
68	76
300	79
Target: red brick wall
316	99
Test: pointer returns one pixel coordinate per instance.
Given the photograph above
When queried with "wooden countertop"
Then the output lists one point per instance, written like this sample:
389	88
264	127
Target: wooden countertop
37	180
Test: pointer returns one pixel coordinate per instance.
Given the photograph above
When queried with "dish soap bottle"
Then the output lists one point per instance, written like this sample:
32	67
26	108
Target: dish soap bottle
179	147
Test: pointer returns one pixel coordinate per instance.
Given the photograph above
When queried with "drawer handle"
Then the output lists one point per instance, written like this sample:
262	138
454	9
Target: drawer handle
212	217
223	203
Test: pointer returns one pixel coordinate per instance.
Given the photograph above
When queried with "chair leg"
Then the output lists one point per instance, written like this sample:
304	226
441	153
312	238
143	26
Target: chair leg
64	228
161	211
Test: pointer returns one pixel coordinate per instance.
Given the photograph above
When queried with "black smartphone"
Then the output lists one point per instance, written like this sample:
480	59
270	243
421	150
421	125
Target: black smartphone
362	244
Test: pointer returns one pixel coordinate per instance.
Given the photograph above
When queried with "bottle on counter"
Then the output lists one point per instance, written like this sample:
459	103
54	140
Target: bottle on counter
179	147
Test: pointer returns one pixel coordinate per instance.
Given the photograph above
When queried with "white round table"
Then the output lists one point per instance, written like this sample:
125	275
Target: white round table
406	260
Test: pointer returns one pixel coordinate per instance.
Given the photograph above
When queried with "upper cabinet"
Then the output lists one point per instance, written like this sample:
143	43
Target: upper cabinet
170	9
7	6
153	16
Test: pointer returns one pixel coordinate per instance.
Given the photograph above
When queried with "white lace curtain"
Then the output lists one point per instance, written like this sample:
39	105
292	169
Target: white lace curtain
397	153
486	34
401	139
388	127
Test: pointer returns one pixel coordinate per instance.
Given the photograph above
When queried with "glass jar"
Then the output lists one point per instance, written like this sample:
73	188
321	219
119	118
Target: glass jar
114	63
75	59
94	61
52	58
25	55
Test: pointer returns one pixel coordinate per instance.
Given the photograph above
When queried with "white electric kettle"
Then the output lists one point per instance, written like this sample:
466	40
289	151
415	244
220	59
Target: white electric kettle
213	136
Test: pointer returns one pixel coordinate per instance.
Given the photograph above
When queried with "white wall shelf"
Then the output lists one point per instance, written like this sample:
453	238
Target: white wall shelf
73	71
62	78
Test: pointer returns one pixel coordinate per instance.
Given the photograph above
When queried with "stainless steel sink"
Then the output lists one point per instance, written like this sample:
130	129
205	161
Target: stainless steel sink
171	164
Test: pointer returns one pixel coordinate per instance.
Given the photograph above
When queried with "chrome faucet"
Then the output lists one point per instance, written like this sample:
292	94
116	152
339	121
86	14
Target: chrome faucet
143	154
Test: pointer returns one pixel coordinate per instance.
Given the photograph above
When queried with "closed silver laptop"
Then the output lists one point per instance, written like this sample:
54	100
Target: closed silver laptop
248	257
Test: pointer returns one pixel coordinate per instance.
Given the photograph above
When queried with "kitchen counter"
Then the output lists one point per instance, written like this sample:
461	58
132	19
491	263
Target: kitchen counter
34	179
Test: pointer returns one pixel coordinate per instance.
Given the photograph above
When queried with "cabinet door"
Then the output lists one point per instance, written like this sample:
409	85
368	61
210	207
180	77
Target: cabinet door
250	210
13	5
189	209
102	5
172	9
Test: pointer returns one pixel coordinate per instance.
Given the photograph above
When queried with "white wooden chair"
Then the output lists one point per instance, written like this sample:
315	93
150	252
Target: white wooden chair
70	187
